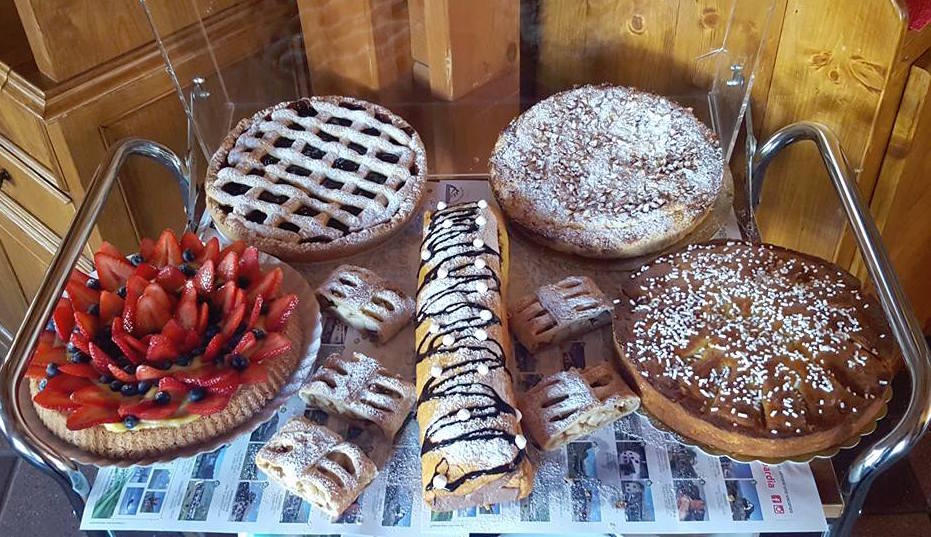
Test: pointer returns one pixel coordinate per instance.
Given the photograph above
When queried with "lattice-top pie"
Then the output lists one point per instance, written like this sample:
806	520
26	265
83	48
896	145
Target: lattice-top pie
753	349
316	178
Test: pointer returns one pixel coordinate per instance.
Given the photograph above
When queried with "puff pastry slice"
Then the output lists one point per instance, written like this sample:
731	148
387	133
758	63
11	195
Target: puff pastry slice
559	311
366	301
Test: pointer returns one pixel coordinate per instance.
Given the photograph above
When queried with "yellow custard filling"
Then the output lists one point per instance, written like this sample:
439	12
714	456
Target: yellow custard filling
151	424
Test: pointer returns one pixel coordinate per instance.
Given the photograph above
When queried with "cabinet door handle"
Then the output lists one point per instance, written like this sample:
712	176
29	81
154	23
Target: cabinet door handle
4	176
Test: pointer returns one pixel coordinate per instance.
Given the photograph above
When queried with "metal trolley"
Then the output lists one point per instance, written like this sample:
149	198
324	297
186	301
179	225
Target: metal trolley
865	468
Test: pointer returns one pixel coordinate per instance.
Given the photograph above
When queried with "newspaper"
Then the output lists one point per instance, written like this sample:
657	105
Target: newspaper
629	478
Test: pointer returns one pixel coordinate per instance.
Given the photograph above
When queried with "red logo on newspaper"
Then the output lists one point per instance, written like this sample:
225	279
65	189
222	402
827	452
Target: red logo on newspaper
769	477
778	508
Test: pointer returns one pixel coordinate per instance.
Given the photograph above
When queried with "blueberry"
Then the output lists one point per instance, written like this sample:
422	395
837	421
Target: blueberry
220	360
143	387
243	282
93	309
136	260
92	283
51	370
258	333
199	351
78	357
163	365
128	389
116	385
239	362
130	421
211	331
183	360
196	394
71	348
187	269
264	310
162	398
105	379
188	255
130	368
121	292
50	326
42	384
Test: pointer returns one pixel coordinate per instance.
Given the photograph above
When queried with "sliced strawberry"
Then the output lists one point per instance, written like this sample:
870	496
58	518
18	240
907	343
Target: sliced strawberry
246	345
279	311
171	278
82	297
191	340
46	354
147	372
254	374
58	397
78	340
78	276
189	241
36	372
66	383
131	347
153	310
211	251
87	324
63	318
203	318
249	264
100	359
203	279
96	396
134	287
214	346
232	322
171	385
79	370
111	306
206	376
167	250
211	404
146	271
256	312
147	248
176	333
112	271
121	375
161	348
47	337
187	308
228	269
116	326
90	416
275	344
225	297
268	286
148	409
109	249
237	246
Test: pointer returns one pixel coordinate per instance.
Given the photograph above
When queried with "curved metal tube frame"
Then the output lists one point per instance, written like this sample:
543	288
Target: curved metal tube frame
905	328
21	438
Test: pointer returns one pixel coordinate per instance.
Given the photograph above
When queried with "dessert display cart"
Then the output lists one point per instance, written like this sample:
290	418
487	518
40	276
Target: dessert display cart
459	105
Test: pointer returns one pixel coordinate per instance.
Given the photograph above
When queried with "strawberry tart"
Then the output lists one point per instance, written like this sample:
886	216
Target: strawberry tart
164	349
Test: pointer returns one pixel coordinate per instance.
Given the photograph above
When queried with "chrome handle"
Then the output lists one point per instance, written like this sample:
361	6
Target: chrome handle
905	328
12	421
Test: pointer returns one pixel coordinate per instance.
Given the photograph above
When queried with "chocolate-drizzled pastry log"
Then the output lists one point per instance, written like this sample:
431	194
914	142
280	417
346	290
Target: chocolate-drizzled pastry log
473	452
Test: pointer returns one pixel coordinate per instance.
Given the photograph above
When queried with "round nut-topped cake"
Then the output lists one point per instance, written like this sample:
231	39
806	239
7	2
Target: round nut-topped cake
607	171
316	178
755	350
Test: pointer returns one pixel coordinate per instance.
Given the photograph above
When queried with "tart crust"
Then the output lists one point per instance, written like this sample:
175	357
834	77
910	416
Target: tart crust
141	443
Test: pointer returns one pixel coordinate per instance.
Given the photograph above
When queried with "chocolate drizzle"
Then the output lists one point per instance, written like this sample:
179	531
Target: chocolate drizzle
470	358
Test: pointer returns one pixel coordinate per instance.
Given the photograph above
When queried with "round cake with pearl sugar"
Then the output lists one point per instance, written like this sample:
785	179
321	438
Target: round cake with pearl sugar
755	350
607	172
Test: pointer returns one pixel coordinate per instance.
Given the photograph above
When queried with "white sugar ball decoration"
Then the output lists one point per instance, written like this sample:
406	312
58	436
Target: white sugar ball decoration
463	414
447	224
485	315
480	264
482	369
440	206
482	204
439	482
481	287
448	340
436	371
478	243
425	255
521	441
442	273
481	335
480	221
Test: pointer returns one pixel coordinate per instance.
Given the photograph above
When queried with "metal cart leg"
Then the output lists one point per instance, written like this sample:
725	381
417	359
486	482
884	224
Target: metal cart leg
905	328
63	470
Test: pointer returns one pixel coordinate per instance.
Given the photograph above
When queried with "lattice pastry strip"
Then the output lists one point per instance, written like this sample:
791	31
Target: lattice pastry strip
570	404
559	311
366	301
359	387
316	464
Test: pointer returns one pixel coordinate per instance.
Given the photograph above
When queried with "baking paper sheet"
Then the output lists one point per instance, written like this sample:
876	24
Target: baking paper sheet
629	478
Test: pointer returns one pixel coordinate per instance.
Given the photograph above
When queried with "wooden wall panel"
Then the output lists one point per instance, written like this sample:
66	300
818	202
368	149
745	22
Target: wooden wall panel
826	72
